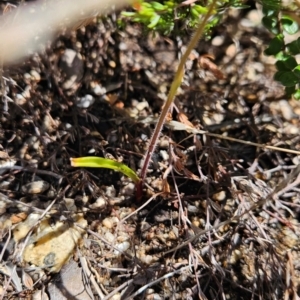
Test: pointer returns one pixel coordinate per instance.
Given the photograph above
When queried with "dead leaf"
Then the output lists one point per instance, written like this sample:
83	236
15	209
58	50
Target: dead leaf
27	280
190	175
119	105
169	117
166	187
17	218
112	99
8	8
178	165
181	117
198	144
187	2
3	155
205	62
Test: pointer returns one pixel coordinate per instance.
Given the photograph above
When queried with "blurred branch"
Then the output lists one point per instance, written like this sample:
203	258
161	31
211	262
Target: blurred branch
26	29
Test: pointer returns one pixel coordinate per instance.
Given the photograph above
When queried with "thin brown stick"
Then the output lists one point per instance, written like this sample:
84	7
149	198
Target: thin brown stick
256	205
175	125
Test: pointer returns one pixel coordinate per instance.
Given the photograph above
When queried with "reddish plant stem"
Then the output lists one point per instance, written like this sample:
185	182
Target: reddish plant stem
173	90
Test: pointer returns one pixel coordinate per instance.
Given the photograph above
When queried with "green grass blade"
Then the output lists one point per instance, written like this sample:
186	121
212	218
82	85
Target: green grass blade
100	162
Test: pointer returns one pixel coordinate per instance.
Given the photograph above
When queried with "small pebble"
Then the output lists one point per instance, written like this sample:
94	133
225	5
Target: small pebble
218	41
20	99
116	297
128	189
164	154
78	46
27	78
112	64
36	187
192	209
99	203
123	46
70	204
40	295
255	16
110	191
296	160
110	222
142	105
4	165
219	196
86	101
286	110
231	50
121	247
3	206
164	143
4	185
35	76
109	237
71	65
288	237
290	129
97	89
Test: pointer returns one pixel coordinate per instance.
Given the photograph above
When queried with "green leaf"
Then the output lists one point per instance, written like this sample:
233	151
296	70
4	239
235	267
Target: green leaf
297	71
288	78
154	20
281	66
100	162
275	46
128	13
291	63
286	64
146	12
200	9
289	25
282	56
194	13
157	6
240	6
290	90
271	23
294	47
271	5
297	94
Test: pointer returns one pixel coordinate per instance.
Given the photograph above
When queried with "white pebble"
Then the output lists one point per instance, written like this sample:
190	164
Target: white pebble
109	237
164	154
35	75
121	247
20	99
35	187
98	90
70	204
128	189
123	46
286	110
142	105
218	41
85	101
99	203
219	196
296	160
110	191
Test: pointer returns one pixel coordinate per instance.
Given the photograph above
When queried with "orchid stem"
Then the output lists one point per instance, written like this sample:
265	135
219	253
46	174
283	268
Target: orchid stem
173	90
